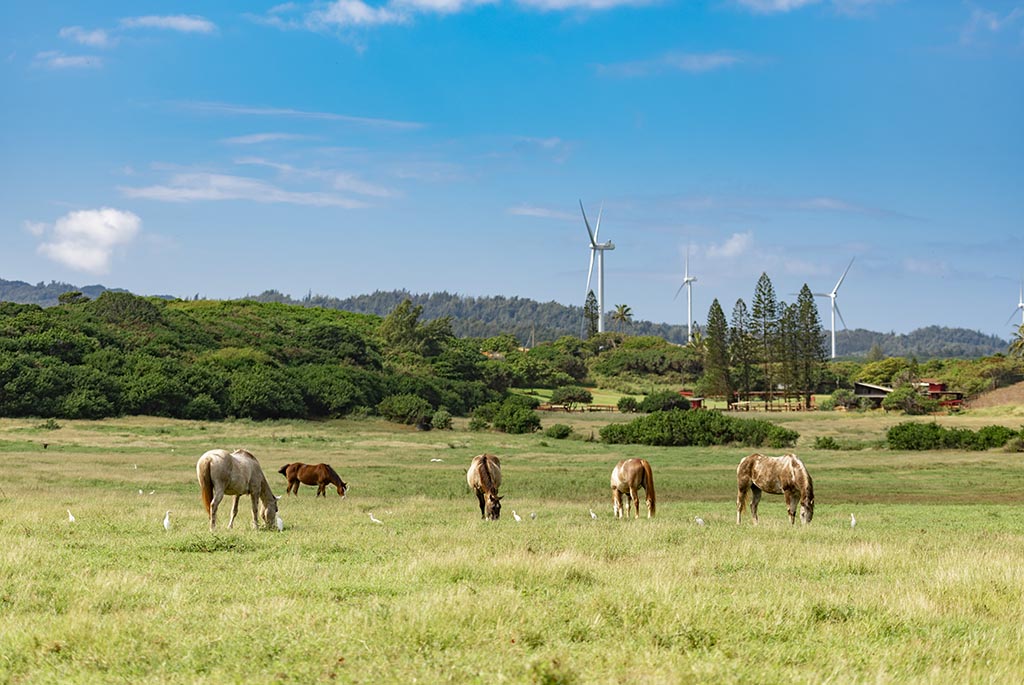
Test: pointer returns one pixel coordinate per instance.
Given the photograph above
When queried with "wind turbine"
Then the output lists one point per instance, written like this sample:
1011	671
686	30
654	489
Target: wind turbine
688	282
835	308
1020	306
598	249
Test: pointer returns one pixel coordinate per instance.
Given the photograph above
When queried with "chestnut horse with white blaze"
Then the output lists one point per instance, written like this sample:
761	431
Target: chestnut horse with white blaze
628	476
484	477
236	473
785	475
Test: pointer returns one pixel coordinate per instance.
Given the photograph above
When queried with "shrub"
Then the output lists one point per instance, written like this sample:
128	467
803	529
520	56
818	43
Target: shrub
407	409
202	407
703	428
664	400
825	442
826	404
571	395
914	436
558	431
442	419
516	419
931	436
907	399
478	424
628	405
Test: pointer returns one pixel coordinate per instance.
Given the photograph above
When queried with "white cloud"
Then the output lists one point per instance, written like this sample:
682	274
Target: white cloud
989	23
194	187
257	138
541	213
86	239
734	246
774	6
342	13
97	38
36	228
284	112
339	180
559	149
173	22
593	5
688	62
53	59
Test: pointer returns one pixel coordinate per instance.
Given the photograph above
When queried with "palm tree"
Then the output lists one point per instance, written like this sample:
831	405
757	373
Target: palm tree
623	314
1017	346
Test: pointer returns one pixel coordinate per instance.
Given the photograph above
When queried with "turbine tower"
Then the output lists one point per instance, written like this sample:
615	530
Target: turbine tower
835	308
1020	306
688	282
598	249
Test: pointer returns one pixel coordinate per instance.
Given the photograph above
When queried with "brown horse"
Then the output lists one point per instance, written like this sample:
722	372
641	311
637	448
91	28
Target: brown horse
785	475
628	476
484	477
237	473
320	475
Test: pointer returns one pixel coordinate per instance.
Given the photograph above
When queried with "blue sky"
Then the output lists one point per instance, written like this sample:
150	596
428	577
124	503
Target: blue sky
345	147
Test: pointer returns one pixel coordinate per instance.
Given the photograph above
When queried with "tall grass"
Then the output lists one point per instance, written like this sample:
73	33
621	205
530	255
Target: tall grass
926	588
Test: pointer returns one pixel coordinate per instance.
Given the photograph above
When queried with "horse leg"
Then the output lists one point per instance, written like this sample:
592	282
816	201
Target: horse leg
234	511
741	500
480	498
790	506
616	503
321	491
218	495
255	509
755	498
635	503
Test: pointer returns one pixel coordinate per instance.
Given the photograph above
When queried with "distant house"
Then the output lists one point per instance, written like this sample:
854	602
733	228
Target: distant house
873	393
695	402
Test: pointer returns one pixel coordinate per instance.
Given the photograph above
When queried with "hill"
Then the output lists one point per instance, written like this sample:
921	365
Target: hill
533	322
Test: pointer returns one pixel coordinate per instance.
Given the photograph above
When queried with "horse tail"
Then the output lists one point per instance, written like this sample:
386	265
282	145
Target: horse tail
205	483
649	480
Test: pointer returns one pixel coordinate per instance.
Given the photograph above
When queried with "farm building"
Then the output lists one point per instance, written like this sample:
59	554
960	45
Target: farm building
929	388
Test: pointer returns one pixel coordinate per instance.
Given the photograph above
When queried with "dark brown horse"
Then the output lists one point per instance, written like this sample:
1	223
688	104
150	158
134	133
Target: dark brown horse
484	477
785	475
320	475
628	476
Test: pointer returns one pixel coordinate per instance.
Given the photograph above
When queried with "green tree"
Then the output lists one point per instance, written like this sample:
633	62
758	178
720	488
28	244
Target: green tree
717	381
623	315
571	395
1017	344
810	345
742	347
764	329
590	315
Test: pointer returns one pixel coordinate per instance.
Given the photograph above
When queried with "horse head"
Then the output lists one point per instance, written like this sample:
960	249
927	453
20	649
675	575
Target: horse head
493	507
807	503
269	510
343	489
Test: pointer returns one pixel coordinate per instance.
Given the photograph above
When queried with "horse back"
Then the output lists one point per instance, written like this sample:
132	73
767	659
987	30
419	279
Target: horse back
484	473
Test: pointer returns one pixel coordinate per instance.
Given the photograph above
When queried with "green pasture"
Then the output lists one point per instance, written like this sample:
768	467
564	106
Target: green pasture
926	588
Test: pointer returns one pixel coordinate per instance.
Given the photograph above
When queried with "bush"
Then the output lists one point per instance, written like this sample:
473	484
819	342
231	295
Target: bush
914	436
665	400
932	436
907	399
678	428
825	442
558	431
407	409
477	424
571	395
628	405
442	419
513	418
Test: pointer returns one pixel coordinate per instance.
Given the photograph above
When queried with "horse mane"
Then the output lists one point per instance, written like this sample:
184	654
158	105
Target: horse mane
485	474
244	453
332	472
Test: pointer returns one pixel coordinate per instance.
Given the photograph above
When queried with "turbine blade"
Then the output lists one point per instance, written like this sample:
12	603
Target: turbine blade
589	232
590	272
840	314
840	281
597	227
680	290
1012	316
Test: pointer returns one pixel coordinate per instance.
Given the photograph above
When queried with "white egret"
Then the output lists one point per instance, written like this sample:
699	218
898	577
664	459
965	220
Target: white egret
71	517
436	459
853	520
699	520
374	518
167	520
593	515
280	523
140	491
516	516
533	515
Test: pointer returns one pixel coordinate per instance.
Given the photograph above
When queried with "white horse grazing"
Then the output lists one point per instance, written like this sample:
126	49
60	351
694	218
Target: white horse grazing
236	473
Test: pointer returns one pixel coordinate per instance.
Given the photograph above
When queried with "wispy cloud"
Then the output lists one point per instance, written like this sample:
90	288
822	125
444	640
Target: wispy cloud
774	6
95	38
195	187
184	23
86	239
686	62
344	181
987	23
287	113
541	212
258	138
54	59
734	246
592	5
558	148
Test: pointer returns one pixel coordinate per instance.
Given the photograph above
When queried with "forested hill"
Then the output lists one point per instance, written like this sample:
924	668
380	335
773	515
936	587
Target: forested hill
535	322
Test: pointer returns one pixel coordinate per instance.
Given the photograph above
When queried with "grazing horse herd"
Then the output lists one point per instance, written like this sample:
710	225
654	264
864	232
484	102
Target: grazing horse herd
238	473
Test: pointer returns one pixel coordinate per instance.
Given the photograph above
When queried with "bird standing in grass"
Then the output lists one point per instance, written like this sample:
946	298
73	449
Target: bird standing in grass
698	520
167	520
533	515
593	515
516	516
71	517
280	523
374	518
853	520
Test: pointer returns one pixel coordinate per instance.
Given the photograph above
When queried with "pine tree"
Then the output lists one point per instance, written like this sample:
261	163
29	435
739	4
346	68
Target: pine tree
742	347
590	315
717	380
764	328
811	349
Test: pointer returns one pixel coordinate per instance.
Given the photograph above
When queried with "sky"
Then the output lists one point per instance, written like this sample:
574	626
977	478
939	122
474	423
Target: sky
346	146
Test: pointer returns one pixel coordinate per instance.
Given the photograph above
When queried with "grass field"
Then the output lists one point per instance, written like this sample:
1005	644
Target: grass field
926	588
